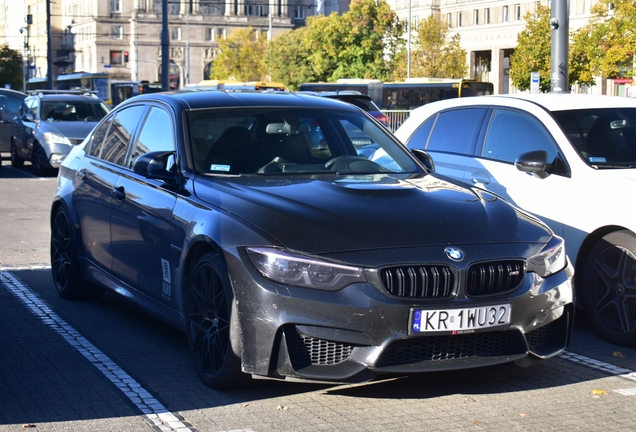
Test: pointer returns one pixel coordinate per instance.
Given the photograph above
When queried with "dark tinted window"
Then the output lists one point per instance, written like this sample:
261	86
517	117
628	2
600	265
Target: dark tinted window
456	131
419	139
94	147
114	147
513	133
157	134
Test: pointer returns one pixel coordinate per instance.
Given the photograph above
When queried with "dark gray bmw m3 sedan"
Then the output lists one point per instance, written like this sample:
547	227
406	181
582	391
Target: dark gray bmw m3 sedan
293	237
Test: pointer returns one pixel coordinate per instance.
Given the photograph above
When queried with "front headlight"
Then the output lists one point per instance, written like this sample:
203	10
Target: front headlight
303	271
54	138
550	260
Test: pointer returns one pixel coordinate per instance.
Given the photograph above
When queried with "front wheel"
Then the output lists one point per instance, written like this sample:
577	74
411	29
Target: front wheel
208	307
40	162
16	161
609	287
65	267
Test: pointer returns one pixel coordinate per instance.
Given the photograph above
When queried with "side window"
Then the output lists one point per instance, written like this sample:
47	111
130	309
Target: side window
512	133
419	139
94	147
456	131
115	145
157	134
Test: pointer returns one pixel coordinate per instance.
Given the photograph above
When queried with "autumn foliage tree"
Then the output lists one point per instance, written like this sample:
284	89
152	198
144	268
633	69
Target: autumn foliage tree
435	54
241	56
10	68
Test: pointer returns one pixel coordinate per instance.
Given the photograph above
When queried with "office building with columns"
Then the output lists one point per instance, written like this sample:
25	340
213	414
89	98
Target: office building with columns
123	37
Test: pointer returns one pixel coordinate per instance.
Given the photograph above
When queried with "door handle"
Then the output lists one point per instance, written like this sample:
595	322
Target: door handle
119	193
478	178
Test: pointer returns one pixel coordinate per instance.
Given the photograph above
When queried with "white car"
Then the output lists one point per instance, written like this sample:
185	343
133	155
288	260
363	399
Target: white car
570	160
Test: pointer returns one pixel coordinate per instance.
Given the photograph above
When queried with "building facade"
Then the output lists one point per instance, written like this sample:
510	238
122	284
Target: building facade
488	30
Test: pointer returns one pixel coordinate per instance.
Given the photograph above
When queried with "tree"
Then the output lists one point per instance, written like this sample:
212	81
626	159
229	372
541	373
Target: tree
287	58
606	45
533	51
10	68
435	54
241	56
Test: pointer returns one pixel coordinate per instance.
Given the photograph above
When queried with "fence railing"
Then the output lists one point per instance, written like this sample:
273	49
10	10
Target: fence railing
396	118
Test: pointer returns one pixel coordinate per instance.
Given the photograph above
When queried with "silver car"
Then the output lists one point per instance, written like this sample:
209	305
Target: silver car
50	124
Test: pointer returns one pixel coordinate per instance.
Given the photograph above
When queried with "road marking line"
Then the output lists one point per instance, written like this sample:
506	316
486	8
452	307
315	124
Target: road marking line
158	415
605	367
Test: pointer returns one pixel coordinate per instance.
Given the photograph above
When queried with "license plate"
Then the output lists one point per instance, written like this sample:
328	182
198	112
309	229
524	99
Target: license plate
425	320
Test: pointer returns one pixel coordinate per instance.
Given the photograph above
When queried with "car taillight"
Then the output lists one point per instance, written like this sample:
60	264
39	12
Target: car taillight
383	118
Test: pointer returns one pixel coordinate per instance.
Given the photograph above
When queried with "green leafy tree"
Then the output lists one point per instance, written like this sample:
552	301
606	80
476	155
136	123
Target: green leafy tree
533	51
360	43
607	44
241	56
287	59
10	68
434	54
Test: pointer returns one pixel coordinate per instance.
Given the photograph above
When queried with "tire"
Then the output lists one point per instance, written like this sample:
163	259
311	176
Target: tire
208	307
16	161
41	166
609	287
65	266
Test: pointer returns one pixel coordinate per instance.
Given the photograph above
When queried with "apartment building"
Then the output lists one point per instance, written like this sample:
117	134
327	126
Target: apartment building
123	37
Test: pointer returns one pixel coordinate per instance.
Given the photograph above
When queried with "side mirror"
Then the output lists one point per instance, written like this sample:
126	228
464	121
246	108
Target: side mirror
28	117
534	162
424	158
154	165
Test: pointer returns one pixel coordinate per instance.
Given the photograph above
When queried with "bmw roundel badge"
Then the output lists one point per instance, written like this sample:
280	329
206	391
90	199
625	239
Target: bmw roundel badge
454	253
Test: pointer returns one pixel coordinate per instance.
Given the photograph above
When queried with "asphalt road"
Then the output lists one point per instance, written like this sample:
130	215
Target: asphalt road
105	366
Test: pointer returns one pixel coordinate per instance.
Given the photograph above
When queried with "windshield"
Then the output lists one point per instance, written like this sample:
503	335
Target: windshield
73	111
293	140
603	136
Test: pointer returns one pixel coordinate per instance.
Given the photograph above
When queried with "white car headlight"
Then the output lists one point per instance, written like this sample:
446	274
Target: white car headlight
550	260
303	271
54	138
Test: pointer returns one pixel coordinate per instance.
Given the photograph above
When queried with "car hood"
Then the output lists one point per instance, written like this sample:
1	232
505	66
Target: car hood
69	129
326	214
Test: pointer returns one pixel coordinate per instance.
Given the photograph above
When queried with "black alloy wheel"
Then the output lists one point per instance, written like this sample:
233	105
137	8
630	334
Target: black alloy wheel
609	291
208	324
16	162
67	276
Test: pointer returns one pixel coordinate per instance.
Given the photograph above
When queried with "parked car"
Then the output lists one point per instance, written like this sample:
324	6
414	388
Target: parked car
356	98
10	102
568	159
49	124
282	257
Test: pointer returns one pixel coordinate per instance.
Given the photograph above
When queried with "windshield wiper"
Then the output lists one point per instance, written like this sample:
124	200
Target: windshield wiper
605	166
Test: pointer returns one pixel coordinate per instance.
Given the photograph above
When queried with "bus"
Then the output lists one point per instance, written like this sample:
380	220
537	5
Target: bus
122	90
97	82
36	84
407	95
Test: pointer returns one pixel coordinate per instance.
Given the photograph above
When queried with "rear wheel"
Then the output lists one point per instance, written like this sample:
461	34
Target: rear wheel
65	267
16	161
208	306
609	289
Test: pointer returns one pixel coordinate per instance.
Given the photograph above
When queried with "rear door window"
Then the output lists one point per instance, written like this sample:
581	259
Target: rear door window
456	131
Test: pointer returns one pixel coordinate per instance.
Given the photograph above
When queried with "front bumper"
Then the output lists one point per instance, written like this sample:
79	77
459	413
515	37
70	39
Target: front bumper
356	333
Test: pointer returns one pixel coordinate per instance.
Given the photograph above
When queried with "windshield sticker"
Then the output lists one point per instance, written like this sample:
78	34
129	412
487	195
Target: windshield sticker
218	167
597	159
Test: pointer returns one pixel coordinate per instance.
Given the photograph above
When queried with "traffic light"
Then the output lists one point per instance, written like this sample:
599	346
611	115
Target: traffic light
125	56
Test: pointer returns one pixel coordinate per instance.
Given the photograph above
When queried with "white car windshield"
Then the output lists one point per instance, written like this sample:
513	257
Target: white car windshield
603	136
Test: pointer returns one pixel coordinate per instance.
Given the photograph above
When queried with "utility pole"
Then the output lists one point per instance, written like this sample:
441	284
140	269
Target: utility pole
49	48
559	23
165	48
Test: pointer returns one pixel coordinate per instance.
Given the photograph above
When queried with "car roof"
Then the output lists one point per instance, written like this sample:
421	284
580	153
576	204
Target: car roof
65	97
6	91
198	99
549	101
